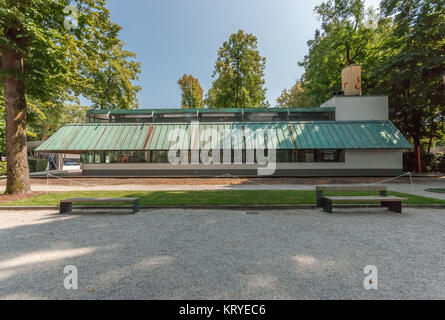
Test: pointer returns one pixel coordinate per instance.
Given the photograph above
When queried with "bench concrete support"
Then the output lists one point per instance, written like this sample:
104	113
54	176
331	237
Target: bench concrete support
66	207
319	195
395	206
327	205
136	207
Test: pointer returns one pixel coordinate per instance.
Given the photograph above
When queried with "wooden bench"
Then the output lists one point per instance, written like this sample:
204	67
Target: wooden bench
66	205
392	203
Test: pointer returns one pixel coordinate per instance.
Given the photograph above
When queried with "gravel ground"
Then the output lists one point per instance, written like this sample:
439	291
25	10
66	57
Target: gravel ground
212	254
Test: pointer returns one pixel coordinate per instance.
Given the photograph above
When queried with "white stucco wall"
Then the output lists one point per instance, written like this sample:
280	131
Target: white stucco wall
349	108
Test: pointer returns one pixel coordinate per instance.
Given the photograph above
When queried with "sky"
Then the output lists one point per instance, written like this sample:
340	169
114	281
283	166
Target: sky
176	37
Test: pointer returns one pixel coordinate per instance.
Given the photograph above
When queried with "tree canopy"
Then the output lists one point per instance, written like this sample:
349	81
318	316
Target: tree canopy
345	38
110	78
402	54
53	50
239	73
411	66
296	97
192	96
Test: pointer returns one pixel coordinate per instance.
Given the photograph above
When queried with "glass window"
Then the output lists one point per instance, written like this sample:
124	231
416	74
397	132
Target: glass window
310	156
330	155
138	157
237	156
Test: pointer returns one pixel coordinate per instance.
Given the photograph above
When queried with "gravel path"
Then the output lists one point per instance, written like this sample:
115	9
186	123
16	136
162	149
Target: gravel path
208	254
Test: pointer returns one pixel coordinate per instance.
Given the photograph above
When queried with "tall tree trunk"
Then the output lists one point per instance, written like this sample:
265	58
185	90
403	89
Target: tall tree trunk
15	109
430	143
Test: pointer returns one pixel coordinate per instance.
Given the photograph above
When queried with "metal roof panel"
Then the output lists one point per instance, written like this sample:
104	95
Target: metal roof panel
307	135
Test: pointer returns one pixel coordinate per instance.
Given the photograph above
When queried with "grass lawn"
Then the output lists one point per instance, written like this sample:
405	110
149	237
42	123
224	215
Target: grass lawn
214	197
436	190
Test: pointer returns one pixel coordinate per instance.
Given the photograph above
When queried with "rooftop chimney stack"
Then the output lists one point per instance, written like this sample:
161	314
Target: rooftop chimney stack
352	80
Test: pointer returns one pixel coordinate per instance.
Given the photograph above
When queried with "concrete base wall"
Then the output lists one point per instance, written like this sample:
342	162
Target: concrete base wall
372	162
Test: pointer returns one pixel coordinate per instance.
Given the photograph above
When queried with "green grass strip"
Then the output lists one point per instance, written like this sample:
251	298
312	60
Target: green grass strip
212	197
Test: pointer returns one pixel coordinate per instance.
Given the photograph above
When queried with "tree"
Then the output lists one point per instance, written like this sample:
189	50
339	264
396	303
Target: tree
111	78
411	67
45	47
345	38
296	97
403	56
192	93
239	70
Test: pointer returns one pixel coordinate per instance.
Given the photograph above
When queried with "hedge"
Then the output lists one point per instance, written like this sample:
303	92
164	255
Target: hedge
37	165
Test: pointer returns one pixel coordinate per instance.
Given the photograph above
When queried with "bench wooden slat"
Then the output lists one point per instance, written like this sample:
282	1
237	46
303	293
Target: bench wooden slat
351	188
365	198
98	200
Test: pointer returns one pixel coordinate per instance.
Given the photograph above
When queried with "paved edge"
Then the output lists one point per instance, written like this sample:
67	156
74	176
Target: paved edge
229	207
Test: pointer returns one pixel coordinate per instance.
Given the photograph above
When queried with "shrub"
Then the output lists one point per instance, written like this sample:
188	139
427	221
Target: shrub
409	162
430	162
37	165
441	163
2	168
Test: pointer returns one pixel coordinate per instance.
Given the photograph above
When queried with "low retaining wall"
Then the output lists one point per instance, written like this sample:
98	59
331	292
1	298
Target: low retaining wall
229	207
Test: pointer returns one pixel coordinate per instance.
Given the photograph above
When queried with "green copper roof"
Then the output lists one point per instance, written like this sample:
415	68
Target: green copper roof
289	135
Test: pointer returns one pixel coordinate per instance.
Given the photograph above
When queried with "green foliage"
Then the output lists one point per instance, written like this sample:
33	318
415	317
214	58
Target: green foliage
110	84
2	168
404	57
37	165
344	39
441	163
192	93
53	56
88	60
52	116
239	72
296	97
45	57
411	67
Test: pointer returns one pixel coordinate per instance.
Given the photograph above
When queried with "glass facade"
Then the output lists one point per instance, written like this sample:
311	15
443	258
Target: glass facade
236	156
